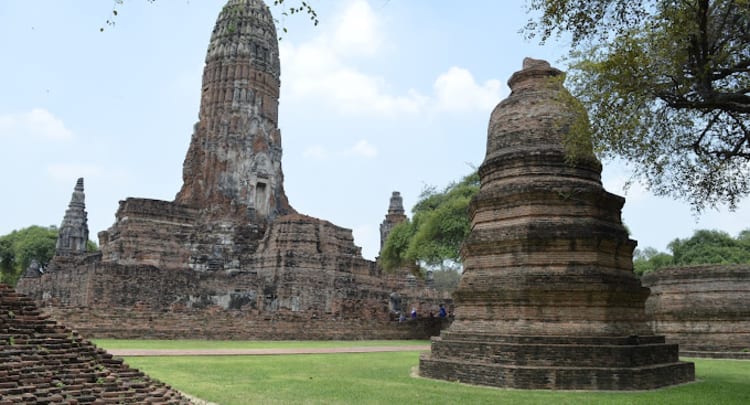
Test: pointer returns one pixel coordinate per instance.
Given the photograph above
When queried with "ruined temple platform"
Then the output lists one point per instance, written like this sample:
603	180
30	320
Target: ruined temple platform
556	362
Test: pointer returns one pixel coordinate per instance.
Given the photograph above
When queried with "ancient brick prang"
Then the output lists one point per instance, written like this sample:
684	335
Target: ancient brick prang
43	362
233	166
74	231
229	254
703	308
394	216
548	298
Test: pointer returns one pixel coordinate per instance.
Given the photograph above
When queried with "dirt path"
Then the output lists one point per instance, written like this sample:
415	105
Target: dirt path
262	352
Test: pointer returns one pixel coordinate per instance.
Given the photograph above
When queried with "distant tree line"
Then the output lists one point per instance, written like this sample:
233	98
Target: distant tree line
704	247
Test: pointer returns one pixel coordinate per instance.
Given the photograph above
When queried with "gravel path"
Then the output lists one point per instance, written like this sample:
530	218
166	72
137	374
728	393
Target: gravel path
262	352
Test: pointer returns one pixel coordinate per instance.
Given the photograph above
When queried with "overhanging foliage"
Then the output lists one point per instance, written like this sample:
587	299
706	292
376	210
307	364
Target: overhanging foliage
667	87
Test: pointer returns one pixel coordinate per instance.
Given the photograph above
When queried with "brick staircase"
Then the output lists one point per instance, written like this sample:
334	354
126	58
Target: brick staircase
43	362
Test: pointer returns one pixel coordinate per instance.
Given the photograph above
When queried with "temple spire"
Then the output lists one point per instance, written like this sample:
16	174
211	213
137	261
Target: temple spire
74	231
394	216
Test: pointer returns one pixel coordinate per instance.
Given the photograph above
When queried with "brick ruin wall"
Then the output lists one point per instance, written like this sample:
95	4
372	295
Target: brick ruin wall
102	299
703	308
137	323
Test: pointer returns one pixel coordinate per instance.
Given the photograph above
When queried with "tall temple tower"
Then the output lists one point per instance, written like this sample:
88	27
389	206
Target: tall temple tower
74	231
233	165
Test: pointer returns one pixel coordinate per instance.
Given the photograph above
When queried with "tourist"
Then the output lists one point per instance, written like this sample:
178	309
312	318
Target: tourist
442	312
413	313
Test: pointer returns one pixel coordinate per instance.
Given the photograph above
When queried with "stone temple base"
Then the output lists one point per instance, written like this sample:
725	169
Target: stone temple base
556	362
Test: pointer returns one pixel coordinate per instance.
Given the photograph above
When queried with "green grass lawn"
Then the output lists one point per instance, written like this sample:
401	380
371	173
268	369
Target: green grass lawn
385	378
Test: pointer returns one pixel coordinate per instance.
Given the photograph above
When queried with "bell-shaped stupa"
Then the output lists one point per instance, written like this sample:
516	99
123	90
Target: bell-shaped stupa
548	298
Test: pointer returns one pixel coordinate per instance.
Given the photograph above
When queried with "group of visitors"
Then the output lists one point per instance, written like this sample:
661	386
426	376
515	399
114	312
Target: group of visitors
442	313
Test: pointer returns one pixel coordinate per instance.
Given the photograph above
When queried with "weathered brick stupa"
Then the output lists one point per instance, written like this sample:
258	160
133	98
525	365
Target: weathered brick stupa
229	258
548	298
703	308
43	362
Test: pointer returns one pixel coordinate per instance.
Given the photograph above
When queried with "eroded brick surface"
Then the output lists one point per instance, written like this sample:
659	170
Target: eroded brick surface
703	308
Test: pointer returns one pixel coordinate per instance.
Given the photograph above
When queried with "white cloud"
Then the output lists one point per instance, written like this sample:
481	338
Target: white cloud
362	149
357	29
315	71
71	172
316	152
37	123
456	90
323	69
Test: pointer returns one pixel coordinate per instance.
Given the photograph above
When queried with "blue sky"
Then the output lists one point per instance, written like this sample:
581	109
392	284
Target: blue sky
381	96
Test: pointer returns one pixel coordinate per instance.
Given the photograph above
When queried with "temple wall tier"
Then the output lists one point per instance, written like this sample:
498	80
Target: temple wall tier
703	308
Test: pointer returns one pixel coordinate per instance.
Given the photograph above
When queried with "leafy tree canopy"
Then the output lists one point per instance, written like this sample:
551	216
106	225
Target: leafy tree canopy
20	247
711	247
439	224
667	88
650	259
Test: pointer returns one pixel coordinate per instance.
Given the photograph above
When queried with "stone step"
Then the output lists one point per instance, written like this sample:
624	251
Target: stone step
558	355
557	378
551	339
